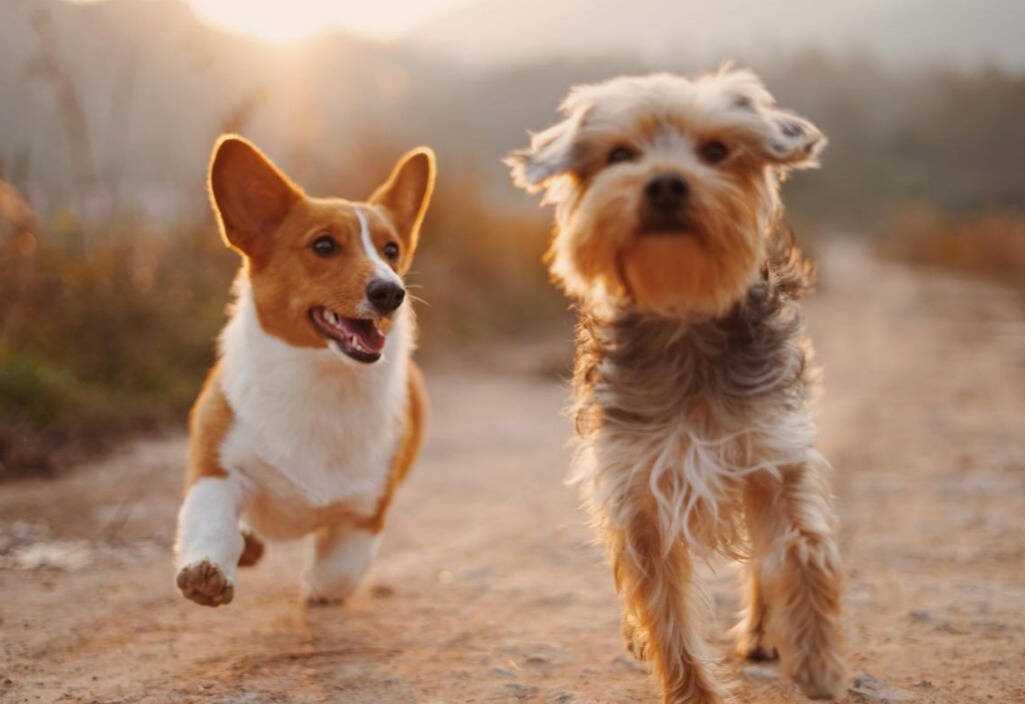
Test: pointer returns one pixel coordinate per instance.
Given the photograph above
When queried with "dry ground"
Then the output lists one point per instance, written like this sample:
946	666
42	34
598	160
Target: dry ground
488	588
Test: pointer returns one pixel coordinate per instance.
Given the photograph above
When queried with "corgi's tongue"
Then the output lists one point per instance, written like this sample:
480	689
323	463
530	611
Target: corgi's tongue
363	333
356	334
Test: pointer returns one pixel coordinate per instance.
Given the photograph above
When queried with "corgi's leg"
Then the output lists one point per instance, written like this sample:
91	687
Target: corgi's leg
209	540
800	577
342	553
253	549
341	556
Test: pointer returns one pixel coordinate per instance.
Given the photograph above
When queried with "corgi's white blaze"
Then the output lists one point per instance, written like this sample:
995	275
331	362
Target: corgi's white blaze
381	268
308	432
208	525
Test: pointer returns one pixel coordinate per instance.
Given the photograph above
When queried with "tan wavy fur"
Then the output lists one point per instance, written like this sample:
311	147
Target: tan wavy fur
693	372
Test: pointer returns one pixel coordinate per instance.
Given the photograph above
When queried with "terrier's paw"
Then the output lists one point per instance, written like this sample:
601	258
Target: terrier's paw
820	678
205	583
689	693
761	654
635	638
754	646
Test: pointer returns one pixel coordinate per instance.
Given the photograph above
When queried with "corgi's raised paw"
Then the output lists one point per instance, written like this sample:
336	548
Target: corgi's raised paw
205	583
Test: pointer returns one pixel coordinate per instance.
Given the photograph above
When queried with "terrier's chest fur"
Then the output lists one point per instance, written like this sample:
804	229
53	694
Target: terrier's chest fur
680	411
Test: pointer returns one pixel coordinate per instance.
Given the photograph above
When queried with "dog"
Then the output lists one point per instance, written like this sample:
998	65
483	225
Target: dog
693	374
314	411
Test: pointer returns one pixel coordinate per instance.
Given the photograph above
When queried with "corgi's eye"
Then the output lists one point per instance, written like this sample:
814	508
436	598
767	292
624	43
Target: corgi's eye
391	250
621	154
713	152
324	246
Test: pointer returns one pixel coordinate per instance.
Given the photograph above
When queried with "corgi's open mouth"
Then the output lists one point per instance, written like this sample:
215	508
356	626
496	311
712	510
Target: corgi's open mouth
359	338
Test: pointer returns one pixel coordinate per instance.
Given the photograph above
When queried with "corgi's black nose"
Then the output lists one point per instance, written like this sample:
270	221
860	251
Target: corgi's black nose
385	295
666	192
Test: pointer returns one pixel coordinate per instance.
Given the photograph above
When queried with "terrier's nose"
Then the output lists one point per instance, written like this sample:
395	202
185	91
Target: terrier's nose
666	192
385	295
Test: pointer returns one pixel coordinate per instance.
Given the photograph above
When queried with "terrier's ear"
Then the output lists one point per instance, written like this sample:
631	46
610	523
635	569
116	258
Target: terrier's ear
407	193
551	153
790	140
249	193
776	135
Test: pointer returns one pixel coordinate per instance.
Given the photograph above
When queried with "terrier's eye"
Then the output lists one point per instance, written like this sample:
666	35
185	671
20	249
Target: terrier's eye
391	250
620	154
324	246
713	152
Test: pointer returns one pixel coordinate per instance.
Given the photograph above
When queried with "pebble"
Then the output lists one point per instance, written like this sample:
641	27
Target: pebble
521	691
874	689
629	663
924	615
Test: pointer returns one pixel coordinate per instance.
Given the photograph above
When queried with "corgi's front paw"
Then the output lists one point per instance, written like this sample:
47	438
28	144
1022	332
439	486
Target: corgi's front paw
204	582
315	601
322	593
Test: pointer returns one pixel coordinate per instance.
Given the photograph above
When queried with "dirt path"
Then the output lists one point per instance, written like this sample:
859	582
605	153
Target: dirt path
488	588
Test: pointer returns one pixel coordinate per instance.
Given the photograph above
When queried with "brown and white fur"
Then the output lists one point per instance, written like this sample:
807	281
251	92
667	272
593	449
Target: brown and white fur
314	411
693	376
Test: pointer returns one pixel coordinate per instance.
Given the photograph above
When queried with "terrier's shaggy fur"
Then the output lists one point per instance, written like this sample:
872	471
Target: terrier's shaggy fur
693	372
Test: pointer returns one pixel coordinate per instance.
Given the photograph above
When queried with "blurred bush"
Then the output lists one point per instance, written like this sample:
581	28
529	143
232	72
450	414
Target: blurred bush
479	272
990	246
99	338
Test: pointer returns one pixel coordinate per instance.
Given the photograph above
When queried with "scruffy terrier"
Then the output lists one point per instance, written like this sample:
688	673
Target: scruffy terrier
693	377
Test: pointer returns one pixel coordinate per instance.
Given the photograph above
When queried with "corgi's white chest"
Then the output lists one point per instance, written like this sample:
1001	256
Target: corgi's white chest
311	429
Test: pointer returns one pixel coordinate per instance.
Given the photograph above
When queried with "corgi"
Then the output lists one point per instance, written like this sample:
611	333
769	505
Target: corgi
314	411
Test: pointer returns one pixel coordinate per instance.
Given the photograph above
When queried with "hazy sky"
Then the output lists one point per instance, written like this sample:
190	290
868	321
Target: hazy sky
291	19
283	20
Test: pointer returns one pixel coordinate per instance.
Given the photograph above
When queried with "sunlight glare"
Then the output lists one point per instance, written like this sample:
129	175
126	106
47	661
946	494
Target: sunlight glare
288	20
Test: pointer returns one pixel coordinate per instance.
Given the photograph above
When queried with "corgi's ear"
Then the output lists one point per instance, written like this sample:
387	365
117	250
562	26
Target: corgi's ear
249	193
407	193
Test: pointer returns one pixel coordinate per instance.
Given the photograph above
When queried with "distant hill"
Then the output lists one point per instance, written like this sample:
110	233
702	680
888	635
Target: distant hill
900	33
114	105
154	87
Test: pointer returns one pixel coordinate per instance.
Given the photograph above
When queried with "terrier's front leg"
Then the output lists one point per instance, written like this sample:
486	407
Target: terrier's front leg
752	639
664	612
792	528
209	541
341	556
760	497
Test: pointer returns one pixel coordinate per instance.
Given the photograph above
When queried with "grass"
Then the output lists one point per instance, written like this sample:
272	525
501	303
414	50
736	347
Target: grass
101	339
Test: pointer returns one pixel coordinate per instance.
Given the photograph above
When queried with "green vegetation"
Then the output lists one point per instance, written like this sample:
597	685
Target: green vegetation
102	337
